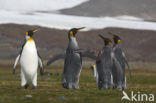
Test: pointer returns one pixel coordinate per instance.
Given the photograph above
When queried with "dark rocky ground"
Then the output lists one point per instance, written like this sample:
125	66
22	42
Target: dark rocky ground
140	8
139	45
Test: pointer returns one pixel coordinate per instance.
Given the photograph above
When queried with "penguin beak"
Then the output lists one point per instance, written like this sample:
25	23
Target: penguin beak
34	31
80	28
101	36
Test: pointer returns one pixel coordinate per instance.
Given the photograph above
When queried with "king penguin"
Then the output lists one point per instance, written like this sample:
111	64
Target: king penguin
120	56
104	65
72	61
29	60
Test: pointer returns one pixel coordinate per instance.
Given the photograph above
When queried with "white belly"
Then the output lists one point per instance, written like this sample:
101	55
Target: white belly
29	60
95	72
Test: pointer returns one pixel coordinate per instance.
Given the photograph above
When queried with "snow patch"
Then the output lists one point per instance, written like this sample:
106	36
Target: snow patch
126	17
60	21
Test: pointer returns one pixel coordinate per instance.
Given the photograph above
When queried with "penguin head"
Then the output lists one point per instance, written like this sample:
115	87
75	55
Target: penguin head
72	32
107	41
30	33
116	38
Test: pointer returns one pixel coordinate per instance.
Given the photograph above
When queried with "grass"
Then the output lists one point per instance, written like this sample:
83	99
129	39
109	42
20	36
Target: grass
50	89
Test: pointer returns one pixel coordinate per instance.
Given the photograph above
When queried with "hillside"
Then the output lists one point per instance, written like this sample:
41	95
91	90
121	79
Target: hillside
98	8
139	45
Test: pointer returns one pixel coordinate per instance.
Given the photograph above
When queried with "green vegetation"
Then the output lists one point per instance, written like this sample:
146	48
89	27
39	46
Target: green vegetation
50	89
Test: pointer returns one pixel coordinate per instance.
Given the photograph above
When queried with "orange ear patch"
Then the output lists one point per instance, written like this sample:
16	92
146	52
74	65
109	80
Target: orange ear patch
109	43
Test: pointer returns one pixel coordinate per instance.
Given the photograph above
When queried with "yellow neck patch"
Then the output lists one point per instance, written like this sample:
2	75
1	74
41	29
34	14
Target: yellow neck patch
26	33
109	43
71	34
30	39
118	41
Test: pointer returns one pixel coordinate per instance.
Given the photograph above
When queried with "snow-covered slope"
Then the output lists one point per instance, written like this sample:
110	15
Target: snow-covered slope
27	12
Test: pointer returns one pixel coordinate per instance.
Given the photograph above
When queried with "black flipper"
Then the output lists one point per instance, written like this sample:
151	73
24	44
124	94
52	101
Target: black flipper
16	61
56	57
17	58
41	65
87	53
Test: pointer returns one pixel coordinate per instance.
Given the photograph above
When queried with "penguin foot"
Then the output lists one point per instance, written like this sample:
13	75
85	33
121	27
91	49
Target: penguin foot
65	85
25	86
34	87
119	88
99	86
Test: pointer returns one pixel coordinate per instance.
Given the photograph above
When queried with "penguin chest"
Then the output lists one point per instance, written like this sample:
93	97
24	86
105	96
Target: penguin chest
73	62
73	65
76	59
29	58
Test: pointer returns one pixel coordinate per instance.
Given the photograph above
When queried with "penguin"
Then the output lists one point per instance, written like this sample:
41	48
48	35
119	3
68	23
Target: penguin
104	61
104	65
72	61
29	60
121	58
93	67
